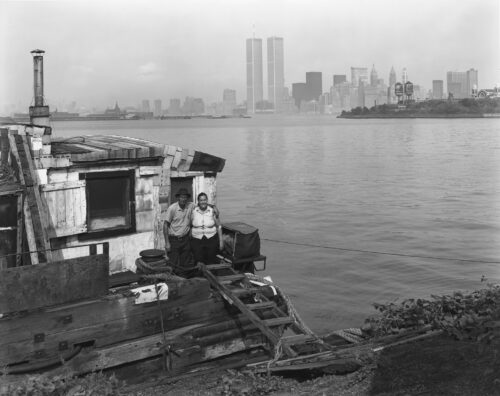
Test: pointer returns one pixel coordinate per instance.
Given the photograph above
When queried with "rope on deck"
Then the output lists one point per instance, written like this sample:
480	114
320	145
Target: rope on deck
351	335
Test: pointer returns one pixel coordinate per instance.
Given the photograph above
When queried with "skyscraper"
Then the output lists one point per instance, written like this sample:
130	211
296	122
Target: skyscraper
392	77
314	85
228	101
275	72
373	77
437	89
404	77
471	81
157	109
145	106
254	74
299	93
460	84
359	74
339	79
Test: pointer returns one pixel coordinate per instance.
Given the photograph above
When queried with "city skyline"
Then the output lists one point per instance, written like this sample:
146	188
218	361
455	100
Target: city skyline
105	52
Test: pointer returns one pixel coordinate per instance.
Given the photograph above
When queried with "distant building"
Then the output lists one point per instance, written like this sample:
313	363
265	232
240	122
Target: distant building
114	111
275	72
299	93
339	79
437	89
472	82
391	97
392	77
157	110
314	85
193	106
174	107
461	84
254	74
359	74
344	92
373	77
404	76
325	103
288	102
145	106
228	101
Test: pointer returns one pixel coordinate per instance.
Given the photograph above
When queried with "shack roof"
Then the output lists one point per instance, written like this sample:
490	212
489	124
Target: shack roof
110	147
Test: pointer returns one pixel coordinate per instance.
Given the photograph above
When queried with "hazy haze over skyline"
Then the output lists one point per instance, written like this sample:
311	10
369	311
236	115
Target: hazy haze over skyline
99	52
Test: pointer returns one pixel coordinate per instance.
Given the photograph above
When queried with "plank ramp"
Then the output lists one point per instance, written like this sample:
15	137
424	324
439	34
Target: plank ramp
231	285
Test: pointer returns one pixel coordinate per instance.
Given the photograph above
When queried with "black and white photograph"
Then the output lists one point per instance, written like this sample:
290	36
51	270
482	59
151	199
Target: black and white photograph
249	197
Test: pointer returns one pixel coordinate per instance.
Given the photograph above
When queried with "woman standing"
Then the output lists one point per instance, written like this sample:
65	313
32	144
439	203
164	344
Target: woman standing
206	232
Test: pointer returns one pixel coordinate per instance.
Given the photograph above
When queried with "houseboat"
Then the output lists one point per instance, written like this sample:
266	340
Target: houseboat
83	280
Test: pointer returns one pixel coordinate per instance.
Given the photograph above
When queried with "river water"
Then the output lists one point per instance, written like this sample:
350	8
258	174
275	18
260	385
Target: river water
424	188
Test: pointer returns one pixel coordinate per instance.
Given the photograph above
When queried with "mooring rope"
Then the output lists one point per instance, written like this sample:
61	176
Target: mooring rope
292	311
379	252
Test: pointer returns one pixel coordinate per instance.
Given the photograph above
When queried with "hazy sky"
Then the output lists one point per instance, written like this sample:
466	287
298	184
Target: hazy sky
101	51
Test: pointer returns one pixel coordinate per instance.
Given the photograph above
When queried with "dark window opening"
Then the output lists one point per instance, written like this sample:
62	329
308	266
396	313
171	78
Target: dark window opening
110	202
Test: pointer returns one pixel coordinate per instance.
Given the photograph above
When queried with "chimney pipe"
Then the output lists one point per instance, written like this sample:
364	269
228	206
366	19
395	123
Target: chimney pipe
39	113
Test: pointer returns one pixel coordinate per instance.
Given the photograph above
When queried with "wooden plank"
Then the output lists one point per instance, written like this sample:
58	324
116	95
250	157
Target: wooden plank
30	287
94	311
15	155
177	159
149	170
63	185
39	215
136	322
4	146
29	227
298	339
61	208
30	235
20	230
213	267
278	321
230	278
261	305
70	209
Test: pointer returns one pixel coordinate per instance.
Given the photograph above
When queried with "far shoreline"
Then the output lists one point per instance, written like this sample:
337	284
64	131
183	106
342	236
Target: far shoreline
386	116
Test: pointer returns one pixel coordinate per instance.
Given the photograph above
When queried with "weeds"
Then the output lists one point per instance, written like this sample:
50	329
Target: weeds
474	315
67	384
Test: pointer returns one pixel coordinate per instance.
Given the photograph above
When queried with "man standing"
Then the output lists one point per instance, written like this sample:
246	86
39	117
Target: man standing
176	230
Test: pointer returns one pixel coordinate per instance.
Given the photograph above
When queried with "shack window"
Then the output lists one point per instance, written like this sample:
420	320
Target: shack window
110	202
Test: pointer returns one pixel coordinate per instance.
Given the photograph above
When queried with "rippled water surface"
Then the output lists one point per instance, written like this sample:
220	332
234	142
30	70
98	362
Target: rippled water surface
428	188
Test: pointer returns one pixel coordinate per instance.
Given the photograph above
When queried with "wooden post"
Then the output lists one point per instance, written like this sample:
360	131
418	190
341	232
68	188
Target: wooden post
4	146
20	230
105	248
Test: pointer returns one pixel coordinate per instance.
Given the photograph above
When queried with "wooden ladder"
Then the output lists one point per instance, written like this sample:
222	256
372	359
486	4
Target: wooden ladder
235	286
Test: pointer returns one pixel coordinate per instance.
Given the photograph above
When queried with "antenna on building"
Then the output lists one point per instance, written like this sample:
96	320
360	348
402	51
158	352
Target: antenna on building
253	30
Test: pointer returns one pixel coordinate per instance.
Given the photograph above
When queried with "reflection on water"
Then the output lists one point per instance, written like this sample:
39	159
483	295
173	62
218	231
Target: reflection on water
418	187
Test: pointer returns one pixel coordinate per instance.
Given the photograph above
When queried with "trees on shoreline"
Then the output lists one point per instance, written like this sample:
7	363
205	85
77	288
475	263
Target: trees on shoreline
467	106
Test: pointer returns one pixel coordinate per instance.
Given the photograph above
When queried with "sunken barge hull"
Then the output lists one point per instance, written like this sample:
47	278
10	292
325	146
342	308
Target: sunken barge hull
192	326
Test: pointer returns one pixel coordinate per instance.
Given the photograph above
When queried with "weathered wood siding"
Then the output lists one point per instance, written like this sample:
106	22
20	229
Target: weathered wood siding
67	206
34	286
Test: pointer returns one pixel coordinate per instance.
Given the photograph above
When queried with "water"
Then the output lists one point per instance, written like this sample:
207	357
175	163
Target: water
415	187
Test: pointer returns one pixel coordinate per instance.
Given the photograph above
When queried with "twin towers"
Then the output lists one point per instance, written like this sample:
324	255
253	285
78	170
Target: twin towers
275	75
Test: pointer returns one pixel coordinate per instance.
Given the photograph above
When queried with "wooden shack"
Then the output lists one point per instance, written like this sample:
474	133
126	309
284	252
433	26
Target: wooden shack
88	189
